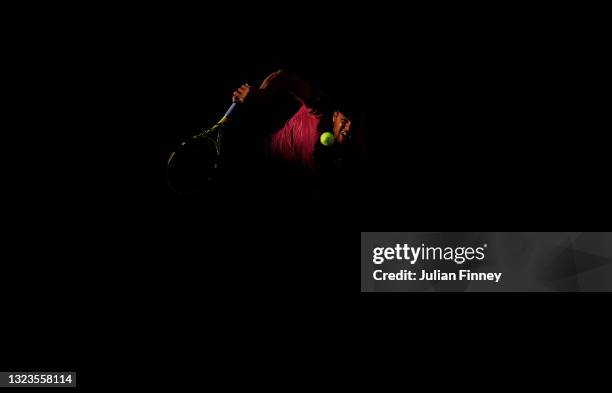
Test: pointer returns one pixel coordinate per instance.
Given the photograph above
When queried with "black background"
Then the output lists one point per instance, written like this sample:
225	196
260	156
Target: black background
473	125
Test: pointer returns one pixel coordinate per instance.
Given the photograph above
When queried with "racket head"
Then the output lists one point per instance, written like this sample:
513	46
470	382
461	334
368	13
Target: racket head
193	167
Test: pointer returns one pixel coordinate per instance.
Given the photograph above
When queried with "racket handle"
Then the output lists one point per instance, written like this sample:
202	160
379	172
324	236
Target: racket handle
231	109
228	113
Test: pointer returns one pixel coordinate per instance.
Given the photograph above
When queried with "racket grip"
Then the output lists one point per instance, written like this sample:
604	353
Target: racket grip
228	113
231	109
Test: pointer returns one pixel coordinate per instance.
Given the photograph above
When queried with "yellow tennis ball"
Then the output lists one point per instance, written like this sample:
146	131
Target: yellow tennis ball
327	139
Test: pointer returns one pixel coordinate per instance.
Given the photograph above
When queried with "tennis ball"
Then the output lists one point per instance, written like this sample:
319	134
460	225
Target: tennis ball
327	139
